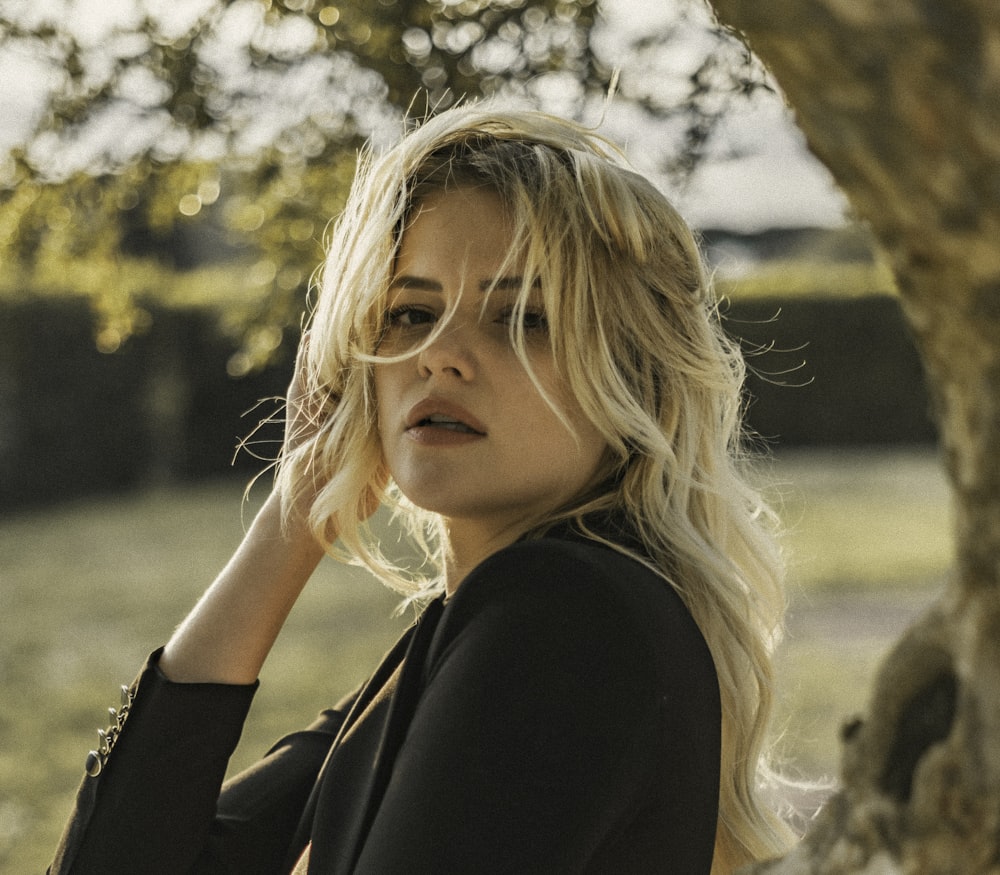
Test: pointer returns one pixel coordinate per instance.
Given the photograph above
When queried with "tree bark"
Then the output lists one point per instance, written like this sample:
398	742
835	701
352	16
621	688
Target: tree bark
901	100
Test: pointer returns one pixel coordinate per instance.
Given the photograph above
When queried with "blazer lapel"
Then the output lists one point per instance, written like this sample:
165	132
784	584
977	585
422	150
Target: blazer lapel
361	704
353	779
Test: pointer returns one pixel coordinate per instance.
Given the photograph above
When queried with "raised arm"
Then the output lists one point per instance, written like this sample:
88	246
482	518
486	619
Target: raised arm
229	633
151	803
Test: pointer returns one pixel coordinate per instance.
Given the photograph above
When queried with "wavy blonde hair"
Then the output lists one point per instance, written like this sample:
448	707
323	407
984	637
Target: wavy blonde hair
635	334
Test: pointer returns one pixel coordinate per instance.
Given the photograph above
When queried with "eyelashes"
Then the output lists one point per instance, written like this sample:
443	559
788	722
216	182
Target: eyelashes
415	316
532	320
409	316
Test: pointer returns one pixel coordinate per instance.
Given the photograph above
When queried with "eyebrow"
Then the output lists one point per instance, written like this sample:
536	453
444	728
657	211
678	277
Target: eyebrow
417	283
422	284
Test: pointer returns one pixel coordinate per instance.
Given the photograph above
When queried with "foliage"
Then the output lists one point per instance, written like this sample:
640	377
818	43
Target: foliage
230	134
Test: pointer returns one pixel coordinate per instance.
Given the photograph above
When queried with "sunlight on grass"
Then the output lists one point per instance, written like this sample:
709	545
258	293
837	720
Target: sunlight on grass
870	547
88	589
863	518
801	277
826	665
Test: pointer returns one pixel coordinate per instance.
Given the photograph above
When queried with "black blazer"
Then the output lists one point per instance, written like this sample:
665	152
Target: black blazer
559	714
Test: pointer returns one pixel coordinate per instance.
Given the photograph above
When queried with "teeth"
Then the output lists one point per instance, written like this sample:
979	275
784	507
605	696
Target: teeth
440	421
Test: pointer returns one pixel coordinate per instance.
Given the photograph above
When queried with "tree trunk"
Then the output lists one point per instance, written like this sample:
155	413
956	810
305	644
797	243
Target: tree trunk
901	100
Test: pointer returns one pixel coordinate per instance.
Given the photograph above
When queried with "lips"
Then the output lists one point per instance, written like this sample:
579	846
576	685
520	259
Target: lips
439	421
440	414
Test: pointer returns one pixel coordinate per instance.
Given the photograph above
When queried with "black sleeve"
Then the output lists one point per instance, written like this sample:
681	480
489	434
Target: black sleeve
156	807
259	810
550	723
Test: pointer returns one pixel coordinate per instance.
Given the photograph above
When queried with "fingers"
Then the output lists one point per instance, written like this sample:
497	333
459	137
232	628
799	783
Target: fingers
309	405
306	407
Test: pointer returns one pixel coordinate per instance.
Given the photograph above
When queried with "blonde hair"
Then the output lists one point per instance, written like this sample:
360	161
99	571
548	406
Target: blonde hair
636	336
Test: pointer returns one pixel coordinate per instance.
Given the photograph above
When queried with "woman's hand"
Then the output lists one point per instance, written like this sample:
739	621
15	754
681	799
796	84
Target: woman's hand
229	633
305	415
307	411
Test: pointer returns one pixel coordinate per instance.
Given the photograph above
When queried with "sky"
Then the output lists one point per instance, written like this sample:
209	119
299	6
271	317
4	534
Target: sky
759	174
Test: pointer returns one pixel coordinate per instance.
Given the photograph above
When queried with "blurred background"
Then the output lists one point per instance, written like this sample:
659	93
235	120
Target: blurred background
167	172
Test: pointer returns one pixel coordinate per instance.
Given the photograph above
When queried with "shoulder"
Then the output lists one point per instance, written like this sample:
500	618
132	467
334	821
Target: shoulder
578	644
553	568
578	598
566	577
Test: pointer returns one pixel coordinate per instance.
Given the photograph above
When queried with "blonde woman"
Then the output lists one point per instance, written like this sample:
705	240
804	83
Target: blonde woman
516	347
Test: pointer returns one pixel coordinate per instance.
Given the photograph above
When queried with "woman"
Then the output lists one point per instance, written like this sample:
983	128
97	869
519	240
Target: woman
515	346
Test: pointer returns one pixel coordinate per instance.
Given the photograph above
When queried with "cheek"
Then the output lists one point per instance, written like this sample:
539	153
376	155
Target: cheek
580	447
382	387
584	436
593	452
587	442
384	407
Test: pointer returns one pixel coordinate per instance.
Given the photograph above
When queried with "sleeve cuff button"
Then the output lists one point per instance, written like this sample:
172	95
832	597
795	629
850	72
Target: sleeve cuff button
97	759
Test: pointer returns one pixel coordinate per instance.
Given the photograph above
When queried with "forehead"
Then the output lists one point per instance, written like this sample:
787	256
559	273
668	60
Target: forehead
473	208
462	238
459	226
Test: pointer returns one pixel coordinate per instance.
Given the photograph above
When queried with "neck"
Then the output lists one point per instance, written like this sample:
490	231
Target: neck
469	542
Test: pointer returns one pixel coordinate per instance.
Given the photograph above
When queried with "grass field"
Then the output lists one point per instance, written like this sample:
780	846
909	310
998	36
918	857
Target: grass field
88	589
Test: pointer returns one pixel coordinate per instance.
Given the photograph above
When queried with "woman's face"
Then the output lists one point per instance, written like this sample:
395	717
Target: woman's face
464	431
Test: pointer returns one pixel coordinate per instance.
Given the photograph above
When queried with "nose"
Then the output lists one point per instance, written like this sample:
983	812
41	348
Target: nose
450	354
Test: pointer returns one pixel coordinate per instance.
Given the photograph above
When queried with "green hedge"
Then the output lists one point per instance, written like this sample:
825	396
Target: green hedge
75	421
831	371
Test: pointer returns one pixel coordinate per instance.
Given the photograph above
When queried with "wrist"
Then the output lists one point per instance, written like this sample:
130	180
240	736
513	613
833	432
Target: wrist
289	527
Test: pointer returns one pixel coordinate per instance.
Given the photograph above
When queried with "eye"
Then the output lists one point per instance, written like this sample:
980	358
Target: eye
532	319
408	316
535	320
